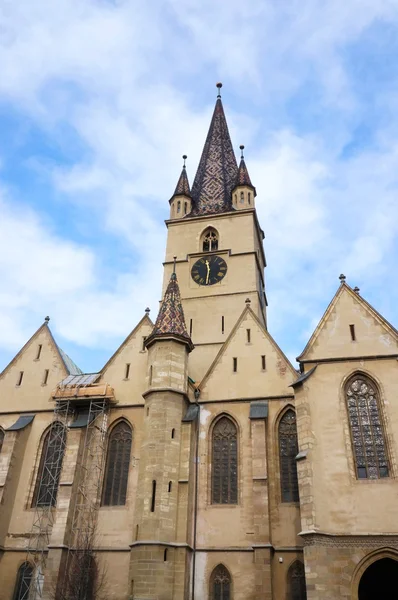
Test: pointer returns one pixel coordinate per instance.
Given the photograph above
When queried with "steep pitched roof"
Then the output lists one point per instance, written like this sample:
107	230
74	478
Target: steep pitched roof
182	187
243	177
170	320
70	367
347	305
217	171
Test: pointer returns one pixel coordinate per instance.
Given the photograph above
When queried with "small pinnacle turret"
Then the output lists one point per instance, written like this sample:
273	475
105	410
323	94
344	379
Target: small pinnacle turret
182	187
180	202
243	174
171	321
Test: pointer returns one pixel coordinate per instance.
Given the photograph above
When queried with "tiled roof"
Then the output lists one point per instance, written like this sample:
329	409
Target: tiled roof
182	188
171	314
243	177
217	171
71	367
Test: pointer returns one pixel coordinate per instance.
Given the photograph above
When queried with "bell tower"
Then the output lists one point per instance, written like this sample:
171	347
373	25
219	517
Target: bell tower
214	232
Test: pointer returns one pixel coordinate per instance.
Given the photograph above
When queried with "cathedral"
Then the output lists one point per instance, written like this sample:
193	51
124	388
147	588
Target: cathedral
199	463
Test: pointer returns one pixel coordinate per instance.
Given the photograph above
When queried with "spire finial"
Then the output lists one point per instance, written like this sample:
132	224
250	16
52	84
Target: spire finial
219	86
174	265
356	289
241	150
47	319
248	302
342	278
147	311
184	156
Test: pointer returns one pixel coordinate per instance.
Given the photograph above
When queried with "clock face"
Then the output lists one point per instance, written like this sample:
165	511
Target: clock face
209	270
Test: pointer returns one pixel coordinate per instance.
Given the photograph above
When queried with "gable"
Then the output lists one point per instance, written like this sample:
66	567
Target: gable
333	336
129	390
250	379
36	388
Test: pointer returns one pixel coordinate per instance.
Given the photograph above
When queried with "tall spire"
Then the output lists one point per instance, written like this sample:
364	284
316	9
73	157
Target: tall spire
217	171
243	177
182	187
170	320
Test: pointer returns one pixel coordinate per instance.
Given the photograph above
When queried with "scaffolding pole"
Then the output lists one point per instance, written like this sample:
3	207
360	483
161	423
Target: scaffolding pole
44	502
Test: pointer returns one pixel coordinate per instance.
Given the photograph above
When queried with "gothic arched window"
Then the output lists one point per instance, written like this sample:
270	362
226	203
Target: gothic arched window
1	438
50	466
220	584
288	450
210	240
117	465
23	582
367	433
296	588
224	489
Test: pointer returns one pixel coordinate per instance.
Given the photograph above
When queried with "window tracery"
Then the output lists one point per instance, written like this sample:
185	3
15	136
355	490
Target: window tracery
288	450
48	474
23	582
224	462
210	240
117	465
367	433
296	582
220	584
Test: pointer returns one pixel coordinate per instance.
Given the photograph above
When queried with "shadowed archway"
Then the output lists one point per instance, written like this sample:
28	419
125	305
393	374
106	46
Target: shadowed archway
379	581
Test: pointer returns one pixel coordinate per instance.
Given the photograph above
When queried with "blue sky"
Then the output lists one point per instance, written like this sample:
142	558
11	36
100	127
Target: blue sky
98	101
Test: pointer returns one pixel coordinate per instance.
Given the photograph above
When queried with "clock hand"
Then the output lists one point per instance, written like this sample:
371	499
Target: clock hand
208	271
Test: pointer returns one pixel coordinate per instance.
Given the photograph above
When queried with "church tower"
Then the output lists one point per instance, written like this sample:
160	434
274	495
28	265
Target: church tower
214	233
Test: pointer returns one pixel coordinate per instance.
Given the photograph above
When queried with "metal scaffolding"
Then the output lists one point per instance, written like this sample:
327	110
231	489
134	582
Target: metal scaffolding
89	403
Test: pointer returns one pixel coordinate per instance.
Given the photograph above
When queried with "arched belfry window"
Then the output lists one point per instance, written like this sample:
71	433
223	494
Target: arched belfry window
23	582
288	450
210	240
220	584
368	439
117	465
224	462
50	466
296	588
1	438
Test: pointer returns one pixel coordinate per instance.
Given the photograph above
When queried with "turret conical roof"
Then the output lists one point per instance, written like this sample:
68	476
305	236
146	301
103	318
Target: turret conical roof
182	187
243	177
170	320
217	171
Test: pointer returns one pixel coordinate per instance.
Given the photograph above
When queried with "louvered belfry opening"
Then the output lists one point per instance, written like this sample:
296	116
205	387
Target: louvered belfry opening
367	431
296	582
224	462
220	584
50	465
117	465
23	582
288	450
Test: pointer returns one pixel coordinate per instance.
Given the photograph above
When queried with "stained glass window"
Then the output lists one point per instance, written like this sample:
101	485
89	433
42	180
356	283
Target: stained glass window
367	433
210	240
225	462
220	584
296	588
288	450
50	466
23	582
117	465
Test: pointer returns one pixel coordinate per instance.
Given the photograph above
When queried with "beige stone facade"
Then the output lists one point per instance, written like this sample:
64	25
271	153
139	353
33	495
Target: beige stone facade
209	467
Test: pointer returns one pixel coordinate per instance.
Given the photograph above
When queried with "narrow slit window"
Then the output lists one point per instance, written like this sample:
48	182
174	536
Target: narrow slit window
352	332
143	343
249	198
153	496
165	555
242	197
222	324
190	327
263	363
179	206
45	376
127	371
170	484
147	412
20	377
173	433
39	347
150	375
185	207
248	335
235	364
137	530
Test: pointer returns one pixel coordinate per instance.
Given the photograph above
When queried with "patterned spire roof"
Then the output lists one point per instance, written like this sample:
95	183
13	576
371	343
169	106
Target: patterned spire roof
171	319
243	177
182	188
217	171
